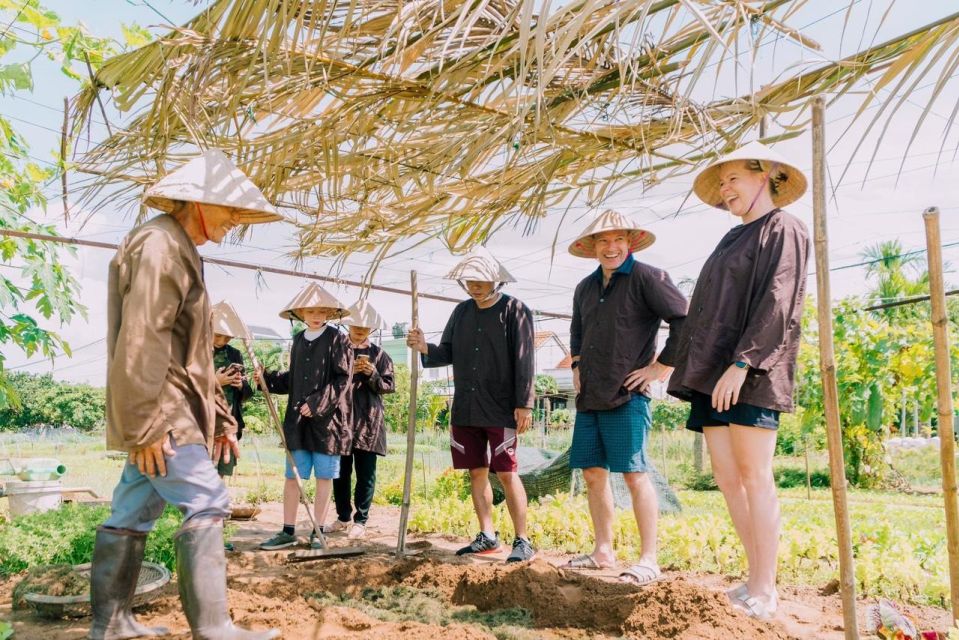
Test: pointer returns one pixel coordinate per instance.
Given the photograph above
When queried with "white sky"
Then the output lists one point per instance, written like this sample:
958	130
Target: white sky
861	214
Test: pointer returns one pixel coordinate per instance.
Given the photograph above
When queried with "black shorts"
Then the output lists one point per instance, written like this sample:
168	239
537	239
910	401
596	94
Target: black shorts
702	414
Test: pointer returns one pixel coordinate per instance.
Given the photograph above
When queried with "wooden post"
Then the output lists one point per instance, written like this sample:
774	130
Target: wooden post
410	428
947	442
698	453
827	366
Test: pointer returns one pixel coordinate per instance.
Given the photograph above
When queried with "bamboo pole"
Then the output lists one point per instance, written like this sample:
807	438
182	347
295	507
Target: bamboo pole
410	427
947	443
827	366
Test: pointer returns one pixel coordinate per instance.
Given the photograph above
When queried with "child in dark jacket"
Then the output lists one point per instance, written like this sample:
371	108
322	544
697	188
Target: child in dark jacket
372	378
317	425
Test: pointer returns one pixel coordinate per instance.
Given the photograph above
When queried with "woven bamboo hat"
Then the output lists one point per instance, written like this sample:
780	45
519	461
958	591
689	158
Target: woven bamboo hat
480	265
362	314
227	322
585	245
313	296
212	178
788	181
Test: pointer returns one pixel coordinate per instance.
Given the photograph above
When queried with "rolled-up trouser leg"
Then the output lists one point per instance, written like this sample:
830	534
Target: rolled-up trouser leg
201	578
117	557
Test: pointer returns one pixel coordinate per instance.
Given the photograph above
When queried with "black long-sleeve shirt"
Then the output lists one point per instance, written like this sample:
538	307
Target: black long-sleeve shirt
369	420
613	330
320	374
492	354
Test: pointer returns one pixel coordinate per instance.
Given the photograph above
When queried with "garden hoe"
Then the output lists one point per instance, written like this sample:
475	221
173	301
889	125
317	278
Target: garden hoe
240	330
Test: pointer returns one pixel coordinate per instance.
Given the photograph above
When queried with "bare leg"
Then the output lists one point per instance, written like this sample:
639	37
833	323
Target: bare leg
600	498
753	450
321	501
482	494
515	500
726	472
646	512
291	501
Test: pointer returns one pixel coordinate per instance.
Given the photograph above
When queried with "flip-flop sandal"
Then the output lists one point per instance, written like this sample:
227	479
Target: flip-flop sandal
641	575
755	608
585	562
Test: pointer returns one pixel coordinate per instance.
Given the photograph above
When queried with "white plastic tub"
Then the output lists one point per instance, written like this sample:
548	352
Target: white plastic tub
33	497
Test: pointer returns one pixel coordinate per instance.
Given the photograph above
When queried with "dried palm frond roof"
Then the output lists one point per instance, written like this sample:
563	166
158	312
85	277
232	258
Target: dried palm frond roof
373	121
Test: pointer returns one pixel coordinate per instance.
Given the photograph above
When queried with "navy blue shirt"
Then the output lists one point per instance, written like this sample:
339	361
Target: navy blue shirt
614	327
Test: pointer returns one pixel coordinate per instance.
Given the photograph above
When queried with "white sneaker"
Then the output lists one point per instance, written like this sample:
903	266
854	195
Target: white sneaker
338	525
357	531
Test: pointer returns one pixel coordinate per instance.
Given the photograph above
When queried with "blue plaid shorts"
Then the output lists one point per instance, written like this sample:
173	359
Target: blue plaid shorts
614	439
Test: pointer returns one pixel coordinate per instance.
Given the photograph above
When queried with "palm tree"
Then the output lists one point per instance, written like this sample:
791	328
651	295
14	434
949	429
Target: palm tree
896	274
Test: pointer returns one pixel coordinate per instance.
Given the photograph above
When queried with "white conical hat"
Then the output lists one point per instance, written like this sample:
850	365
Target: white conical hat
789	188
480	265
362	314
313	296
585	245
227	322
212	178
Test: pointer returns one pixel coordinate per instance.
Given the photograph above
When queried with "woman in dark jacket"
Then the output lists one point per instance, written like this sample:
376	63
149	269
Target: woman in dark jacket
737	357
372	378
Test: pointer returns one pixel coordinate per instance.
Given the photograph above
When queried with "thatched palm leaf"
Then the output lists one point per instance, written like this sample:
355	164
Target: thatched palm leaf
373	120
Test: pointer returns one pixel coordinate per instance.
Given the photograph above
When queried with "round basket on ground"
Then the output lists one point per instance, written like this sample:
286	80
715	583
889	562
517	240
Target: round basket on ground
152	578
244	512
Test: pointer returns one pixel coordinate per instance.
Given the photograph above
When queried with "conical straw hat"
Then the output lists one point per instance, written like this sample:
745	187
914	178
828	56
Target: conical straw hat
212	178
706	184
362	314
313	296
585	245
480	265
227	322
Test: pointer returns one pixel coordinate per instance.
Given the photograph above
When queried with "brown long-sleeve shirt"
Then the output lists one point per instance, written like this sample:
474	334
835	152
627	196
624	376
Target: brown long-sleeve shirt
747	306
320	375
491	351
614	327
160	376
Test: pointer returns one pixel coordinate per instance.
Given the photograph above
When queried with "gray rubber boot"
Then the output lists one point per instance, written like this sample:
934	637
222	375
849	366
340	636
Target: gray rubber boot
201	578
117	556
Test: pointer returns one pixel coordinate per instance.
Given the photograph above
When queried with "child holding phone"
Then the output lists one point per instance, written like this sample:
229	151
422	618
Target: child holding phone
228	364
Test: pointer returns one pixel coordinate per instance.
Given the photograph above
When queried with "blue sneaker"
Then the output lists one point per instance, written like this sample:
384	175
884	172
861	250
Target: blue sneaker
481	545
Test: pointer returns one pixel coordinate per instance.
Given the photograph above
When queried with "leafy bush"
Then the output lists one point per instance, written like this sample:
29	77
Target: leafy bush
786	478
45	401
561	418
66	536
668	415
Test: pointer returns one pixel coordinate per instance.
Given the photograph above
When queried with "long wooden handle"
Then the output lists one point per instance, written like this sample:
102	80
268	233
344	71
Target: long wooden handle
410	429
947	443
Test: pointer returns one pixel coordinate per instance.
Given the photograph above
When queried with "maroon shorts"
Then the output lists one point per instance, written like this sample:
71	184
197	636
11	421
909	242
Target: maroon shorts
470	447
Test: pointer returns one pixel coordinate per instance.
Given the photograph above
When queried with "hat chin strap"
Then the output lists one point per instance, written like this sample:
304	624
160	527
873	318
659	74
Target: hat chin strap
495	292
206	233
766	181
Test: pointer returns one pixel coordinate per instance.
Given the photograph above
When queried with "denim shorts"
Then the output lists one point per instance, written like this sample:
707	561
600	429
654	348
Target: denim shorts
614	439
322	465
702	414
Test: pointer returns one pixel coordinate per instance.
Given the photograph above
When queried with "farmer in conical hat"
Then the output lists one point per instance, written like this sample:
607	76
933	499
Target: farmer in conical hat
317	424
737	359
230	375
617	312
372	379
489	341
164	406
